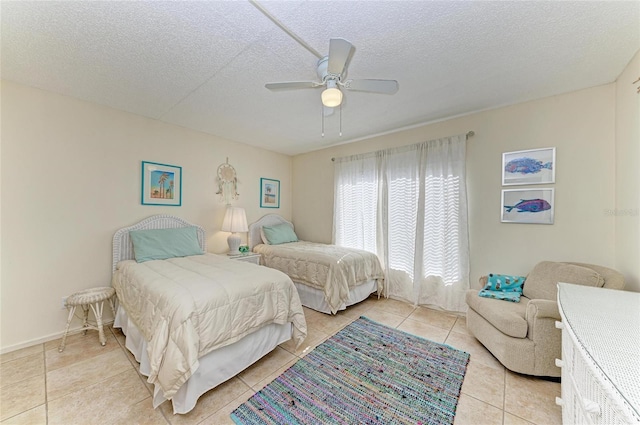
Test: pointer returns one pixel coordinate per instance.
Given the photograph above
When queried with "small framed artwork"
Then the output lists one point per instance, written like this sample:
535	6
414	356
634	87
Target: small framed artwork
534	206
534	166
161	184
269	193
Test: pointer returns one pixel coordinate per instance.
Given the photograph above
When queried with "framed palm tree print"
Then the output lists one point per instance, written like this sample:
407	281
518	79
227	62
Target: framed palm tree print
161	184
269	193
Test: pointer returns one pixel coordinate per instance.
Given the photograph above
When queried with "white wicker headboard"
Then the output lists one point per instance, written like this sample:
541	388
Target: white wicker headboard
123	248
254	237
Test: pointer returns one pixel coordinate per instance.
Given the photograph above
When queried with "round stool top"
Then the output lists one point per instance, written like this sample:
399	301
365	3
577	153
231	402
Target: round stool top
92	295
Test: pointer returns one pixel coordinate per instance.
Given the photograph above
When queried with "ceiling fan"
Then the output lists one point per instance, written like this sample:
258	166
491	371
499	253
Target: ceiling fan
332	73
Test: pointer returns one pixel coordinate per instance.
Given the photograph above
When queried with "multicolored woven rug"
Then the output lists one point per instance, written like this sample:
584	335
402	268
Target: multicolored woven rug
367	373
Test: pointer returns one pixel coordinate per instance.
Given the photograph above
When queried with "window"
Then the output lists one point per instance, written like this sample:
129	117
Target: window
408	205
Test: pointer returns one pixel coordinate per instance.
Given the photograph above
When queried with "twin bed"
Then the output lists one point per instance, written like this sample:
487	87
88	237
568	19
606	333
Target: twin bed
194	320
329	278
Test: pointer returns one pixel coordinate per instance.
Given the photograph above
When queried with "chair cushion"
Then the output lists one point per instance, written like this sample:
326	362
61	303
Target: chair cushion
508	318
542	282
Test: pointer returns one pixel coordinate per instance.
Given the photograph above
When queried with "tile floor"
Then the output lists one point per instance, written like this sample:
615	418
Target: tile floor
41	386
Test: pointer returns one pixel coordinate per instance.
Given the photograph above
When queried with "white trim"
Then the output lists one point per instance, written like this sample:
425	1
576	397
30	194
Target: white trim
45	339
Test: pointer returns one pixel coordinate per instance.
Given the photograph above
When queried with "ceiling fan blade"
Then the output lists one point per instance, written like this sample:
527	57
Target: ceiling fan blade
340	52
374	86
293	85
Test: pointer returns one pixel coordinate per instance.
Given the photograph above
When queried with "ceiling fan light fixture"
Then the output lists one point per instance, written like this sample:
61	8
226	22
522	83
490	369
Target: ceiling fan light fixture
331	96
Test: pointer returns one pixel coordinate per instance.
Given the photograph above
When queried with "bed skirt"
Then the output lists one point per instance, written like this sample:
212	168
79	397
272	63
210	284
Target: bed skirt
215	368
315	299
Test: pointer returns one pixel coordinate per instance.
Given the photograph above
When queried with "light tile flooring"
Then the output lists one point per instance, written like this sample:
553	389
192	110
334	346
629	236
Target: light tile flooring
91	384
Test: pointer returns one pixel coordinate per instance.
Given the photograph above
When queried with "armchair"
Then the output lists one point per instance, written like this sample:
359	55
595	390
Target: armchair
523	336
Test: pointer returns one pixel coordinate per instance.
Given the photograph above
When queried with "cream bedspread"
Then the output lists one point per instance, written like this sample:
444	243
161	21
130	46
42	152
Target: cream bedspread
187	307
330	268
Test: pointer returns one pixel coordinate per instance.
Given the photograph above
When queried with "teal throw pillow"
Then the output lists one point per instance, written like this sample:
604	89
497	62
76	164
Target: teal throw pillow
160	244
279	234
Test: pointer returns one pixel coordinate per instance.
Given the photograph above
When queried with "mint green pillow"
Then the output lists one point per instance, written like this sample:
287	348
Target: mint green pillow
160	244
282	233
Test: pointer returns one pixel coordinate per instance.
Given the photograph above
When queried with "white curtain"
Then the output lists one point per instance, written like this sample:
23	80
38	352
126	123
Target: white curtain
409	206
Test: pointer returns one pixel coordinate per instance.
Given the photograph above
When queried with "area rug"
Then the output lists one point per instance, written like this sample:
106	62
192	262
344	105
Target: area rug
367	373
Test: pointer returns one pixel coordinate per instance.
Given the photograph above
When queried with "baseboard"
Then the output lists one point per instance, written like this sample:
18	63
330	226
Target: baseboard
51	337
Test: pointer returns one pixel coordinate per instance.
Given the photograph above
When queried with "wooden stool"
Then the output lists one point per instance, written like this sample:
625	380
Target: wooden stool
93	298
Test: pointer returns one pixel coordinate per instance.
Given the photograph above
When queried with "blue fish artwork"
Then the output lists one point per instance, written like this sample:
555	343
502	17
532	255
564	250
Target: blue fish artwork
530	205
526	166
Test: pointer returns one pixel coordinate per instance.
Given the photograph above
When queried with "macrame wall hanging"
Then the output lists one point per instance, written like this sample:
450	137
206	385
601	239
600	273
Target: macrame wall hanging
227	183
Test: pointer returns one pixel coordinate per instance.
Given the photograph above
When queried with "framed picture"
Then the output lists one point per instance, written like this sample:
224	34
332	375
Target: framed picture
269	193
534	166
161	184
534	206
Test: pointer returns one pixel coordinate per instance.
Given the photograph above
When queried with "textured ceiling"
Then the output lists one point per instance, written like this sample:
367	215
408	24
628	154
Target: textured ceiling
203	65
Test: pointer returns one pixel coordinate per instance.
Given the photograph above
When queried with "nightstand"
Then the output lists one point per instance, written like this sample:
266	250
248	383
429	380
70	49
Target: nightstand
249	257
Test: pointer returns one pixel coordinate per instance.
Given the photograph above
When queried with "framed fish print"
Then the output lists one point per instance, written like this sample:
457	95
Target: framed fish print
534	166
533	206
161	184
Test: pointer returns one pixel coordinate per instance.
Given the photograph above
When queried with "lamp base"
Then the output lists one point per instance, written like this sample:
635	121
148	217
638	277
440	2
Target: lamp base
234	243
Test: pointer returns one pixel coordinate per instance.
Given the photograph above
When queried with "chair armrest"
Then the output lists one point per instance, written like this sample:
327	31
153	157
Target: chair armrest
547	339
543	308
541	316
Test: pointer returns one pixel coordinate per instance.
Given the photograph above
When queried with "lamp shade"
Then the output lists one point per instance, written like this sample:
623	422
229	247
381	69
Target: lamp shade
331	96
235	220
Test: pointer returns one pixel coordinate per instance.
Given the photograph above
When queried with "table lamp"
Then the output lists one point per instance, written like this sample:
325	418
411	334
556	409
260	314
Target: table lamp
235	220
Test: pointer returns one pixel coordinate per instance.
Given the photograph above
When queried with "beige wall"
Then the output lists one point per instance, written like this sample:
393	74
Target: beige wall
71	178
627	210
70	173
580	125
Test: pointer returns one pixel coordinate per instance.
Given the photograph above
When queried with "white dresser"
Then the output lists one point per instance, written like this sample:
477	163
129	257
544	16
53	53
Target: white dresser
600	355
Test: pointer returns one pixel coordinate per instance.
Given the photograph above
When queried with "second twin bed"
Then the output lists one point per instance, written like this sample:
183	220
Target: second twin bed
329	278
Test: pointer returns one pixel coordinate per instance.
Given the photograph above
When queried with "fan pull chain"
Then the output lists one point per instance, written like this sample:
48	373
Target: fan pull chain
322	113
340	119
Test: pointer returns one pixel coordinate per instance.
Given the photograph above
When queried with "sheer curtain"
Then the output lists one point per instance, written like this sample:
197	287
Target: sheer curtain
409	206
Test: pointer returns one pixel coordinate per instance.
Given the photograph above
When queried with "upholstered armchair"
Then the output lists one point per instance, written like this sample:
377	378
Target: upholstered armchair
522	335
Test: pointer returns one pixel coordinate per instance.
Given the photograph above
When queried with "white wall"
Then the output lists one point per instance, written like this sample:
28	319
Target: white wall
71	174
580	125
627	210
